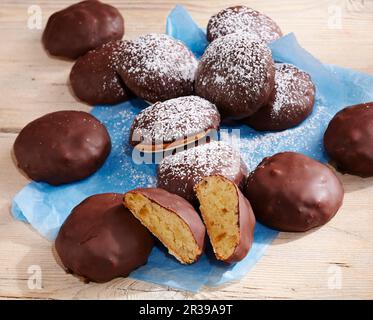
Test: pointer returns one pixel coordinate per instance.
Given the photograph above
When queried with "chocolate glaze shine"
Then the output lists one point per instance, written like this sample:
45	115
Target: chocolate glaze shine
291	192
246	225
94	79
62	147
102	240
81	27
348	140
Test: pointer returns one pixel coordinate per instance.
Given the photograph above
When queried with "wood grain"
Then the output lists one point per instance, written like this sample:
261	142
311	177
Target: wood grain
295	266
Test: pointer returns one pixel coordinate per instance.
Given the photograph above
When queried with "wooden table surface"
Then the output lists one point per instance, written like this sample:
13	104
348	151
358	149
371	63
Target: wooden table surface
334	261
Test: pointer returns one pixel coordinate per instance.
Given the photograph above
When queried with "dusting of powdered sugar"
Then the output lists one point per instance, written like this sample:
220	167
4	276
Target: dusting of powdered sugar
237	68
294	91
175	119
153	57
243	19
216	157
120	173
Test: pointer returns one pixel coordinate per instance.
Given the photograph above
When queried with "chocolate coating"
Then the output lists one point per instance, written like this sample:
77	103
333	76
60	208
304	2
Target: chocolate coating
62	147
179	173
81	27
173	120
348	140
236	74
157	67
246	225
291	101
102	240
242	19
291	192
180	207
94	79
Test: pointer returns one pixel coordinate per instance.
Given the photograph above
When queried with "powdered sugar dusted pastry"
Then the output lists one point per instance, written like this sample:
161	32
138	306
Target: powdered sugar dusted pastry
179	173
242	19
292	100
237	74
157	67
173	123
94	78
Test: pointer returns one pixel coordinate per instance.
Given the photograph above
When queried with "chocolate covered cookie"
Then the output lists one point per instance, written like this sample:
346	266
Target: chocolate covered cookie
101	239
291	102
81	27
157	67
174	123
62	147
228	217
179	173
94	78
171	219
348	140
236	74
291	192
242	19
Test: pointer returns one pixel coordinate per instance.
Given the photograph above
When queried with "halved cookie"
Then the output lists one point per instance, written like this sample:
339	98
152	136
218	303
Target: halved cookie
179	173
228	217
172	219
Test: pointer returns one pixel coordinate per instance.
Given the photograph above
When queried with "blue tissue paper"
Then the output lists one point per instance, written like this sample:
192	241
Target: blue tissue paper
45	207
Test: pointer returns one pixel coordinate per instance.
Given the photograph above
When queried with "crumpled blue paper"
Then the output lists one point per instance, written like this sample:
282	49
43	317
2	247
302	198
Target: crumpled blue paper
45	207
